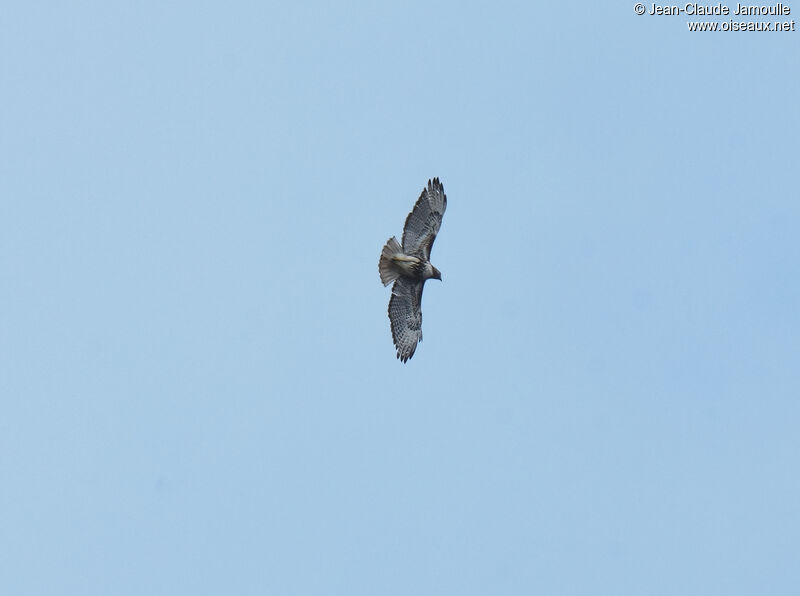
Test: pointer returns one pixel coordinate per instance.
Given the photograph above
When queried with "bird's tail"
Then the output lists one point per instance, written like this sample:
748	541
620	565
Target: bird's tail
388	271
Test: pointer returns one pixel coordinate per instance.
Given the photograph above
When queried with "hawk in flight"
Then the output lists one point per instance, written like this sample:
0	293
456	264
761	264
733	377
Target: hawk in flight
409	266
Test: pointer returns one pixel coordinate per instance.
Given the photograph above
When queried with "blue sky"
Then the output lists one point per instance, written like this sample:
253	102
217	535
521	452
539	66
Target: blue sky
199	391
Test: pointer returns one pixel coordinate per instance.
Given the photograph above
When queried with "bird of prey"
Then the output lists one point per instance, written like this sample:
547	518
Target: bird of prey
409	266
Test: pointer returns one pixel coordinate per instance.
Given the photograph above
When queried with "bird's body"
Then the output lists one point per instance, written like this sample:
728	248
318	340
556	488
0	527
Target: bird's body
408	266
399	264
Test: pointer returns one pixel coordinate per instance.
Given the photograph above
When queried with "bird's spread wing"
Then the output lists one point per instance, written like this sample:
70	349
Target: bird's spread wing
424	221
405	314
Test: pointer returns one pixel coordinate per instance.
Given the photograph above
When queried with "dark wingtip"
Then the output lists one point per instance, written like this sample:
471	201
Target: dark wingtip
404	357
435	185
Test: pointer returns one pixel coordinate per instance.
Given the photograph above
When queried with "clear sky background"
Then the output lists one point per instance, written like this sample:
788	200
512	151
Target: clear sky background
198	388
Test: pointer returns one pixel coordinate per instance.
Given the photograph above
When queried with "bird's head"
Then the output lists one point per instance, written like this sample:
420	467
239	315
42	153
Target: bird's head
437	274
